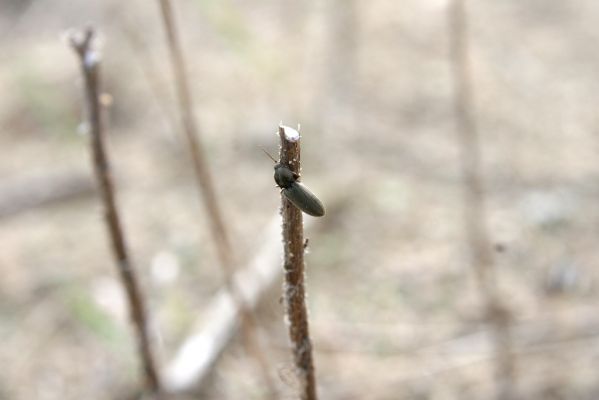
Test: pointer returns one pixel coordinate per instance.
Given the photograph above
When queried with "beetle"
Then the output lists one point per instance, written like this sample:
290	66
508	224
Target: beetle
298	194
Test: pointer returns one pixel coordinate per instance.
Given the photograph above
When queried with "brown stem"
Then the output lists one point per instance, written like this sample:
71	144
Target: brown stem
474	204
208	193
200	165
90	63
294	292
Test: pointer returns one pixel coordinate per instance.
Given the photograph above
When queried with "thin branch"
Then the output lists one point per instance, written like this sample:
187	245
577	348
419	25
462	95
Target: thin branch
90	63
201	349
214	331
475	213
294	292
204	177
220	235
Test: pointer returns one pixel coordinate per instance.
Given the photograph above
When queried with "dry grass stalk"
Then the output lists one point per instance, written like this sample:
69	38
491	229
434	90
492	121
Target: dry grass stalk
90	63
294	292
200	165
474	205
219	232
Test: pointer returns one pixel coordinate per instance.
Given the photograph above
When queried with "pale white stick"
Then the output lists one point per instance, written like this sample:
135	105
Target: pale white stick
211	335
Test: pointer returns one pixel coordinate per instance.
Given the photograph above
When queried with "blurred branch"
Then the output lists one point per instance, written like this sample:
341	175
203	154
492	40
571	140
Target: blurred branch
90	62
210	336
475	213
28	192
204	178
338	86
149	69
343	24
199	352
200	165
293	266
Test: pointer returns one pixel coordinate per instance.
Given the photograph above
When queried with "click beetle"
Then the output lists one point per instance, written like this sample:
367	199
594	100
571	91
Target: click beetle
298	194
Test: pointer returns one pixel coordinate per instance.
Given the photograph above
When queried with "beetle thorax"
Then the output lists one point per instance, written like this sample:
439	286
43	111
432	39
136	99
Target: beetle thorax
284	177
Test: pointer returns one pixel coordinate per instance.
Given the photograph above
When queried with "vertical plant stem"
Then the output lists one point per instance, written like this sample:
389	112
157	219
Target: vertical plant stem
293	266
475	213
202	171
90	63
204	178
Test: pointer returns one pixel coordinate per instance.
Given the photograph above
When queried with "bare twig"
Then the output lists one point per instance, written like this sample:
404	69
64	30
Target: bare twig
293	290
214	331
90	62
200	165
220	235
216	328
475	207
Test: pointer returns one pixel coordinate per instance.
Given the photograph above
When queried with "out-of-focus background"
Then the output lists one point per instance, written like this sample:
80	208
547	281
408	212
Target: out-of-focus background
394	309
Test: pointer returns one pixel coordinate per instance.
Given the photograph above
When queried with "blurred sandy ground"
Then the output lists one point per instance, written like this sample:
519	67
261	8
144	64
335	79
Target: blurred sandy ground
393	308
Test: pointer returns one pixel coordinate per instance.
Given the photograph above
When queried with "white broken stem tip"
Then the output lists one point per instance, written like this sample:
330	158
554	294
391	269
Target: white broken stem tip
291	134
91	59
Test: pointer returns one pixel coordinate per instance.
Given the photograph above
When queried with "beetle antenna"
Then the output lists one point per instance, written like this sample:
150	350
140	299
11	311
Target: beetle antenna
268	154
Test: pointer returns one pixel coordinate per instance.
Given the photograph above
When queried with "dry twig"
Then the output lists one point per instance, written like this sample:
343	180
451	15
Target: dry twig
90	62
214	331
474	204
200	165
293	291
219	232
